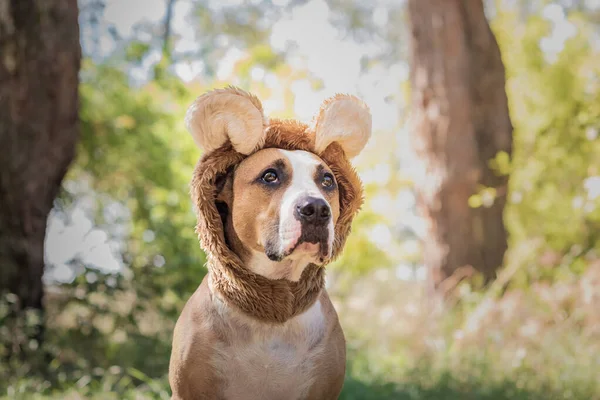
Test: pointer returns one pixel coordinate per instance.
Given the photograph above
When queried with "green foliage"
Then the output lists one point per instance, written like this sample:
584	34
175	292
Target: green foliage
136	51
135	150
530	344
555	108
134	164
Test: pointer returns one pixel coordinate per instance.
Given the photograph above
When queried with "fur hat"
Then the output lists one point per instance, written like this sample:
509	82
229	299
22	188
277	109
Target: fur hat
229	125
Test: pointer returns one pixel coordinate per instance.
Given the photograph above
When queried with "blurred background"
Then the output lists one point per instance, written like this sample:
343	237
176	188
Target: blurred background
473	271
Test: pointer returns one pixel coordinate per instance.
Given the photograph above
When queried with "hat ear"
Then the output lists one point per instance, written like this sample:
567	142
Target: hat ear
343	119
227	114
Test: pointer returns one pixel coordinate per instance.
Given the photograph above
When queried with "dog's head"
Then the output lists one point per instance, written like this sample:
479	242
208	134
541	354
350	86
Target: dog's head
280	187
280	206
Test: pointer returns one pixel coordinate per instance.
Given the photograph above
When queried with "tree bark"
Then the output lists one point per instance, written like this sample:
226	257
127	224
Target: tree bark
460	122
39	65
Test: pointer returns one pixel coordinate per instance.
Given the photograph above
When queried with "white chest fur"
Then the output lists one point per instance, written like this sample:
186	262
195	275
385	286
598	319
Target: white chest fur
271	362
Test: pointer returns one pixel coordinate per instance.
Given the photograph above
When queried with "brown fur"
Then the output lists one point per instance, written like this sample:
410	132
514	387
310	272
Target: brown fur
265	299
234	308
206	335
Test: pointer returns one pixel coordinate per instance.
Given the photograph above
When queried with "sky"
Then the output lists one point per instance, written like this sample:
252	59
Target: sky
321	49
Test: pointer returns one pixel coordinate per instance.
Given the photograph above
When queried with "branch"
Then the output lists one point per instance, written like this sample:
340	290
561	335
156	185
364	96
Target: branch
167	30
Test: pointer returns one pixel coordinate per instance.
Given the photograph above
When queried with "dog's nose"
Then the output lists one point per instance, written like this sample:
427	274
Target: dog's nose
313	210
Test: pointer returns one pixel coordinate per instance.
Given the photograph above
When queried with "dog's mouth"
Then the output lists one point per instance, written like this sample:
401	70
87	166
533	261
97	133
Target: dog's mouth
313	243
317	245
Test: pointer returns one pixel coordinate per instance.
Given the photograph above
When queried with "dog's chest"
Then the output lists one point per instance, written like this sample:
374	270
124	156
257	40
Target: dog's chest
273	363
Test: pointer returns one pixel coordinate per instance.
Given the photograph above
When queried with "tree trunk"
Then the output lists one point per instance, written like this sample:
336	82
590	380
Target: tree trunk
39	66
460	121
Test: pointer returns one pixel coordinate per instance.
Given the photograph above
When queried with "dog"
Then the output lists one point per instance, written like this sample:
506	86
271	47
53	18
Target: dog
275	200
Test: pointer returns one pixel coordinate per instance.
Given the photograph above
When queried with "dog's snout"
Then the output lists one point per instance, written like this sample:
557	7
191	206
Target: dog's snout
313	210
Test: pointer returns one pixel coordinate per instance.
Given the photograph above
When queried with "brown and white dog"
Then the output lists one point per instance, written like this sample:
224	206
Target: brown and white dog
275	200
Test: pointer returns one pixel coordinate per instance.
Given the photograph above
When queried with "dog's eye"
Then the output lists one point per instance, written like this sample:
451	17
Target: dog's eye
327	180
270	176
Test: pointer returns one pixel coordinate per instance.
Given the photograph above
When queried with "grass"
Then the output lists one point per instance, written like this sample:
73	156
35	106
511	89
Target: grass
473	381
421	383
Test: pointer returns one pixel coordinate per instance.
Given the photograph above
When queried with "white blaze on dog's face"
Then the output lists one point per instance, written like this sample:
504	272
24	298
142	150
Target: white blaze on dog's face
305	216
283	206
